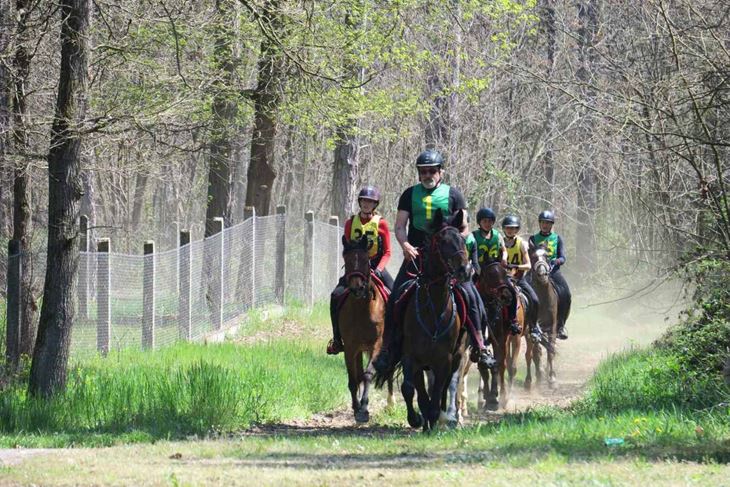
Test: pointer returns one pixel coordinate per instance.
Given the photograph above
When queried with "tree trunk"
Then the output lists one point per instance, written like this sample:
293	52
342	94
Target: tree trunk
224	111
140	188
5	22
50	357
547	13
586	195
261	172
22	223
347	150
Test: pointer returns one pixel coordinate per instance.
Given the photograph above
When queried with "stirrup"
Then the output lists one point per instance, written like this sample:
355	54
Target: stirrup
334	347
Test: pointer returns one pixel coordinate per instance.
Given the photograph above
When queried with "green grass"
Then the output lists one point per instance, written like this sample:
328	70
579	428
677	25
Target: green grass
182	390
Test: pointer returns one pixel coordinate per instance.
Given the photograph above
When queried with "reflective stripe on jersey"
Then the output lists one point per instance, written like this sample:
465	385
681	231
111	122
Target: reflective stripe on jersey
424	204
370	229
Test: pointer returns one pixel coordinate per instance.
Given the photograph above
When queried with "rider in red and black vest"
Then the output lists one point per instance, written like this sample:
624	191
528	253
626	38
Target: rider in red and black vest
416	209
556	257
369	223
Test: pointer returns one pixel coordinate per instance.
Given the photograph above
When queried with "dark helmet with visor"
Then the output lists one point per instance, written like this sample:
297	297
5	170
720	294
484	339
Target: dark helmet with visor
486	213
369	193
546	216
430	158
511	221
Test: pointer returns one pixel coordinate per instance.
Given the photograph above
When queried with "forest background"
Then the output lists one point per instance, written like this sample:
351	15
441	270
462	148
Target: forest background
615	114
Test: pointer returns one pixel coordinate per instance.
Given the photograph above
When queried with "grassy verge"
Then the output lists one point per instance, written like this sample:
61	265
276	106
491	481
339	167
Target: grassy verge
179	391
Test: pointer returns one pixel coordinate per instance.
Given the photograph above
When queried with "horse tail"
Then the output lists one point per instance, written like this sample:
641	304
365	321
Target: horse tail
383	377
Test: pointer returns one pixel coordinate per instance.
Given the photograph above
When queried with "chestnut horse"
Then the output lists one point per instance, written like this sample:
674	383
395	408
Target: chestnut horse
361	318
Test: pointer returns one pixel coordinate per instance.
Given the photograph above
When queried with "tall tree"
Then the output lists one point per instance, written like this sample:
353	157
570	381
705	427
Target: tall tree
547	21
266	97
5	35
224	110
22	222
347	148
587	200
50	357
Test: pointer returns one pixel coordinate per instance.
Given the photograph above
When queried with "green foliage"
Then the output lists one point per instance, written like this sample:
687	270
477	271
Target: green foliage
186	389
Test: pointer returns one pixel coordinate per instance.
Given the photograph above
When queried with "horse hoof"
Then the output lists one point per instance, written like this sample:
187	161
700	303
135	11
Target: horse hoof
415	420
362	416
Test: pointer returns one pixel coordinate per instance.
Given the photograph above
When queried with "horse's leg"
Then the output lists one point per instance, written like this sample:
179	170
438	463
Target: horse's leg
419	380
363	415
552	378
442	378
407	388
353	377
529	346
461	391
451	411
537	360
391	398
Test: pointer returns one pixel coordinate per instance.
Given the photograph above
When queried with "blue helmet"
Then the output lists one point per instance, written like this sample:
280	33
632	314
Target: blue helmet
546	216
511	221
486	213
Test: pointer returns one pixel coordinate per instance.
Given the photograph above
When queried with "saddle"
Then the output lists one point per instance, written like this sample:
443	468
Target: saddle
409	287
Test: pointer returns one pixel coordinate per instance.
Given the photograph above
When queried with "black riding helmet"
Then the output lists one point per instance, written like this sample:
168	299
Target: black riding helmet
369	193
546	216
511	221
430	158
486	213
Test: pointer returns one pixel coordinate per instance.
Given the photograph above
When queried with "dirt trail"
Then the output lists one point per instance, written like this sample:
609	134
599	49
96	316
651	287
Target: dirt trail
595	333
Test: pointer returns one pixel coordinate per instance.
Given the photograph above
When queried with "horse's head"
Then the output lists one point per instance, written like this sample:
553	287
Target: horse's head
540	264
494	282
357	265
447	253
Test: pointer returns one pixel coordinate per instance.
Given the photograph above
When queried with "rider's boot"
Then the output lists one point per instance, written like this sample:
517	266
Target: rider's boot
335	345
484	359
515	328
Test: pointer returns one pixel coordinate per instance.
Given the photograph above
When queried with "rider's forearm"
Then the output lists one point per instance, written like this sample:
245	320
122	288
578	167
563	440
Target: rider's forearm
401	234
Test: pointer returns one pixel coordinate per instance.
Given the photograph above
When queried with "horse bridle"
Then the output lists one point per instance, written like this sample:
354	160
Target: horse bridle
436	249
365	276
493	292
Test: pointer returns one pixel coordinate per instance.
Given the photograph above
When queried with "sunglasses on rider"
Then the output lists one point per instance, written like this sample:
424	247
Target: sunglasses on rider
427	170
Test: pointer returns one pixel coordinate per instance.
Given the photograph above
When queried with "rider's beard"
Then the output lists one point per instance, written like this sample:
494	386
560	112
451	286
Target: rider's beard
429	183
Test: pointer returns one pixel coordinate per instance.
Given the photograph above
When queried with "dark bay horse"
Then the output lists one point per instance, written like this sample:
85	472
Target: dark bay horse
361	318
547	318
494	288
433	338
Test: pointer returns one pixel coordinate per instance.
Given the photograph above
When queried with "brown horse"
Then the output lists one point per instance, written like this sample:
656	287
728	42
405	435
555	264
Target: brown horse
547	318
433	338
514	343
361	326
494	289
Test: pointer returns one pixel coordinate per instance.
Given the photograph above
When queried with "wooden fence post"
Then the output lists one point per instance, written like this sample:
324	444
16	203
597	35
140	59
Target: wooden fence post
216	278
280	271
185	324
308	258
148	296
12	331
335	253
103	303
83	286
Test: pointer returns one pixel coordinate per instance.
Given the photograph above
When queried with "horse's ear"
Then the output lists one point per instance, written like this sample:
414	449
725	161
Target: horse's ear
438	219
458	219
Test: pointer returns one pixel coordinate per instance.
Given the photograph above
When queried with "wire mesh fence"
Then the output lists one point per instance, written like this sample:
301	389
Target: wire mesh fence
158	298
